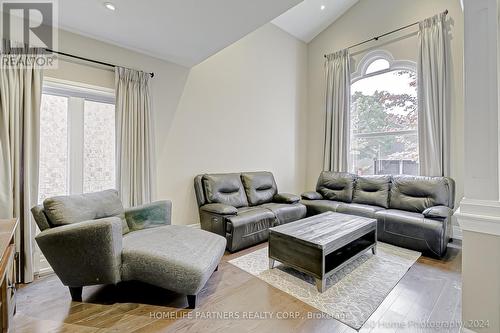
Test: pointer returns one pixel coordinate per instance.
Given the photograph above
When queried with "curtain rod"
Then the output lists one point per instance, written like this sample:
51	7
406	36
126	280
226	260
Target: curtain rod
376	38
87	59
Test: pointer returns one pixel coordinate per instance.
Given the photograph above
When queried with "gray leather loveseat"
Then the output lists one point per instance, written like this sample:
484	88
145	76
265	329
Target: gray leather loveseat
411	211
242	206
91	239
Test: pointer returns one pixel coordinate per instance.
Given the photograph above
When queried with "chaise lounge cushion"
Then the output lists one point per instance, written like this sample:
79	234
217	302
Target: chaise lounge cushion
75	208
260	187
337	186
173	257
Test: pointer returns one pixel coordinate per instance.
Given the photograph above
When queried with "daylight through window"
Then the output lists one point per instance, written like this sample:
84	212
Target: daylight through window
384	138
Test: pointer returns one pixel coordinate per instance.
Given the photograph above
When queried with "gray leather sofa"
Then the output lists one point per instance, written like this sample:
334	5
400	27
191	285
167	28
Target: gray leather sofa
411	211
242	206
91	239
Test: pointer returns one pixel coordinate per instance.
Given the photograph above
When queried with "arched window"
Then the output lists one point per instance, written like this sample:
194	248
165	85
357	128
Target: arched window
384	138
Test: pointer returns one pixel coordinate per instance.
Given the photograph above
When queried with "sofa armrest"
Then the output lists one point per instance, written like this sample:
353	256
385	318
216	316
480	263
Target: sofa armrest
286	198
312	195
84	253
155	214
220	209
438	211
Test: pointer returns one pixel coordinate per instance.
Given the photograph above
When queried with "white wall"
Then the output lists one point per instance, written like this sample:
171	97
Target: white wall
166	86
242	109
363	21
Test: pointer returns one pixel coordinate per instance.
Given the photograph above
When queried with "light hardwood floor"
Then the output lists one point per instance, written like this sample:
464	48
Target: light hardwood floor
429	292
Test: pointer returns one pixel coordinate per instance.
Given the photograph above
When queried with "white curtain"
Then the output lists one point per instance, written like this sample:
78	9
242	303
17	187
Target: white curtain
20	95
135	139
433	97
337	104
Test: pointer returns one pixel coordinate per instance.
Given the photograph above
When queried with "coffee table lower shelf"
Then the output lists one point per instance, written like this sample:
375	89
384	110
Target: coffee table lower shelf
315	261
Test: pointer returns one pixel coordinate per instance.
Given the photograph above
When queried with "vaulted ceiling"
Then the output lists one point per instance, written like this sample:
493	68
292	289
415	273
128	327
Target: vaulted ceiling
185	32
306	20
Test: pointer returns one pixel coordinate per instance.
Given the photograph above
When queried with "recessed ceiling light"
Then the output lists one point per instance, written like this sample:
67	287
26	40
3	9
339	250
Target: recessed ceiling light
109	6
322	7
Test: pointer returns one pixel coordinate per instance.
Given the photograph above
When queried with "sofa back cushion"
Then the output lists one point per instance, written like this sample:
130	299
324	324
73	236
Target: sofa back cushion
225	189
372	190
336	186
417	193
75	208
260	187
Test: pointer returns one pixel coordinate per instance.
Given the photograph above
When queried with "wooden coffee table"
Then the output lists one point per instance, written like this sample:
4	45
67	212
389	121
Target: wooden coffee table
322	244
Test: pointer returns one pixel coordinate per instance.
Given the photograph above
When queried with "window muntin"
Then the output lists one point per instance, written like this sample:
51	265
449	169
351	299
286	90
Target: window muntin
384	137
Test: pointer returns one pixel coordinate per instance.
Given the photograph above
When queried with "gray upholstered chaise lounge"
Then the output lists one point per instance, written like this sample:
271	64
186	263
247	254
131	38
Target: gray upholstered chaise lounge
91	239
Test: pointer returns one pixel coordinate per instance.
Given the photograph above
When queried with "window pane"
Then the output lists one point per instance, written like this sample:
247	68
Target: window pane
99	146
53	170
384	124
385	154
377	65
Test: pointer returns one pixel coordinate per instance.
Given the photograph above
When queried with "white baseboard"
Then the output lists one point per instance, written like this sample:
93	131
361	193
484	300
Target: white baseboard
457	232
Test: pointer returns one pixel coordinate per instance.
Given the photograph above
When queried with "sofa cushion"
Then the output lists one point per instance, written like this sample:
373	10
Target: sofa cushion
416	193
359	209
320	206
249	227
411	230
372	190
286	212
75	208
336	186
176	258
225	189
260	187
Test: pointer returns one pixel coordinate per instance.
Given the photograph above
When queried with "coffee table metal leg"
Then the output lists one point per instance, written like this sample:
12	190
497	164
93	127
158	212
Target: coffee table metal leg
271	263
321	284
374	249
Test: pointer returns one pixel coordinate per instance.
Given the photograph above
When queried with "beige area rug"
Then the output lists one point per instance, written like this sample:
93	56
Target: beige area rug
352	294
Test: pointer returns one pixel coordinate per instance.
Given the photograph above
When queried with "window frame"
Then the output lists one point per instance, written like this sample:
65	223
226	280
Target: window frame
77	94
360	73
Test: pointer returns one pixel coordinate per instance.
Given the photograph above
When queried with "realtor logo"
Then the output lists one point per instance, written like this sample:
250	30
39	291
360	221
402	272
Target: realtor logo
28	28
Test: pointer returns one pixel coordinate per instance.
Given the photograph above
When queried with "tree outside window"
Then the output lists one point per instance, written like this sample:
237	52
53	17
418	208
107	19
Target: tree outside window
384	120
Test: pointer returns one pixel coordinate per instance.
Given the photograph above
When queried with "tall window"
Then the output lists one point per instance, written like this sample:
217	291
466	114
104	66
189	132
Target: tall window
77	140
384	138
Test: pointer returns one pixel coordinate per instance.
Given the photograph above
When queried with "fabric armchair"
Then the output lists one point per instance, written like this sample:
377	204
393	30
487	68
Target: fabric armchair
84	253
150	215
91	239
